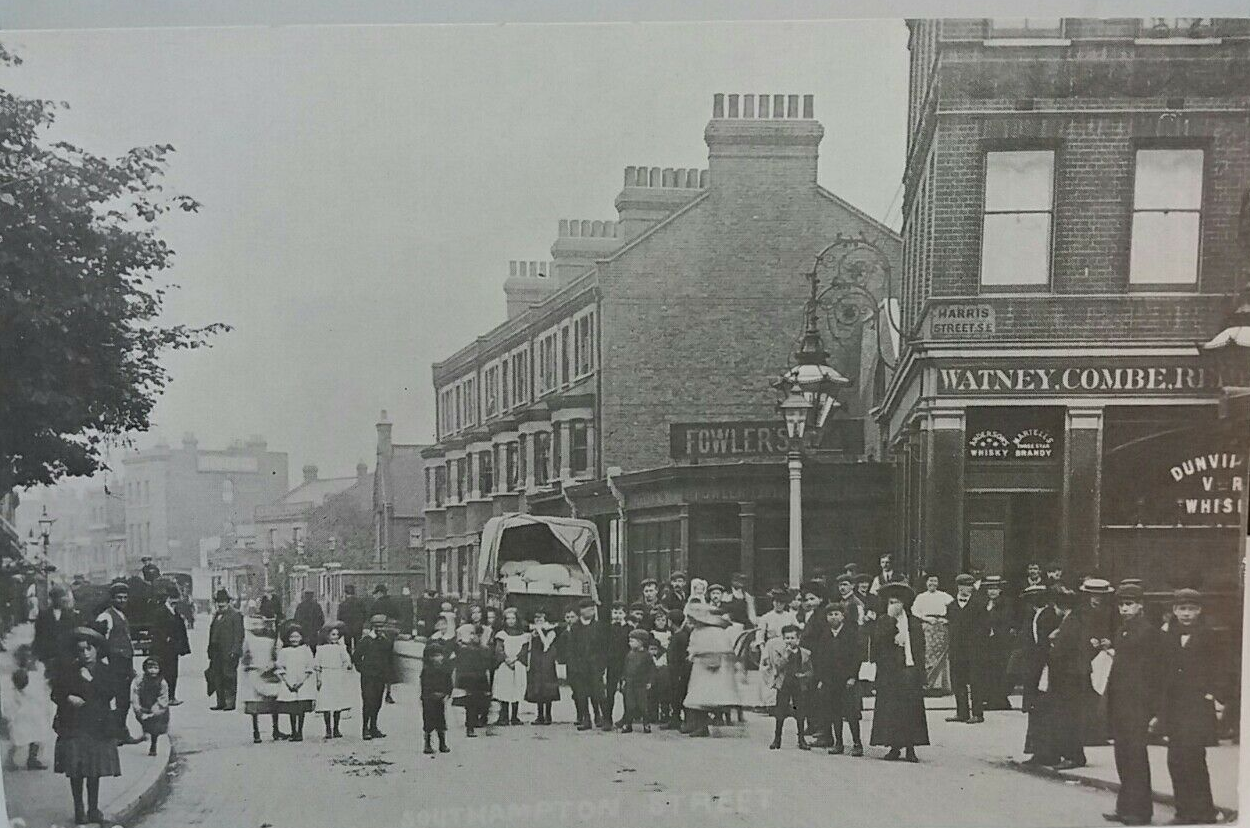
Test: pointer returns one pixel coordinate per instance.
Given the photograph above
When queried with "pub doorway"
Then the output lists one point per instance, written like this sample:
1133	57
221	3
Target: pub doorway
1006	531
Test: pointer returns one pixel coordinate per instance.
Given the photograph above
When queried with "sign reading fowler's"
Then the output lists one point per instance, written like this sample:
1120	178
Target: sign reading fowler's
754	438
1091	379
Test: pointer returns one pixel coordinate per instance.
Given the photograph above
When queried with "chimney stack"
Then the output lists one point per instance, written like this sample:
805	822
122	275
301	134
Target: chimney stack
579	243
310	473
362	471
651	194
763	141
528	283
384	435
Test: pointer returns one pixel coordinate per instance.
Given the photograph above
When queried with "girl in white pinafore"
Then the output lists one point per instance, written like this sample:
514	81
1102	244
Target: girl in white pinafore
336	689
511	649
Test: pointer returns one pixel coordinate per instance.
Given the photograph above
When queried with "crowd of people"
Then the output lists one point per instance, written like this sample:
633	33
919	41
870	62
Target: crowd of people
1090	667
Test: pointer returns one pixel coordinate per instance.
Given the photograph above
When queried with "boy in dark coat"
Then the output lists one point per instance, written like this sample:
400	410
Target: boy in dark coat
586	656
837	677
679	670
639	677
618	647
1068	669
435	688
1192	696
1132	700
373	661
792	682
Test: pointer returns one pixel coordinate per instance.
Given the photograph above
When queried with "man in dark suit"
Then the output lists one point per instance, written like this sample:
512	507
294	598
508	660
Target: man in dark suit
310	617
1068	666
225	648
1132	700
1192	697
587	659
169	640
113	624
54	628
837	676
969	640
674	595
353	613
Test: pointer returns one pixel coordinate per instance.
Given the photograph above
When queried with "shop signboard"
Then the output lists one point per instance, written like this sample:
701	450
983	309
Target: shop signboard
960	320
1014	433
741	439
1179	376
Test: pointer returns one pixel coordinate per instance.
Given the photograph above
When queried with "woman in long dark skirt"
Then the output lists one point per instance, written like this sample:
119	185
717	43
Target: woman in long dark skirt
86	748
898	720
542	685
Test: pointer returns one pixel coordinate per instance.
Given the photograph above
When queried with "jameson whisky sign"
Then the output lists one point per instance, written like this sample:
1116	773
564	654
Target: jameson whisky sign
1082	378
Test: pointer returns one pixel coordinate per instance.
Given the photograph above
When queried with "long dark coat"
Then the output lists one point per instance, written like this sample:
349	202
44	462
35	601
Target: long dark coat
1056	730
899	717
169	635
1189	675
542	684
53	638
1133	687
310	616
352	612
225	636
969	631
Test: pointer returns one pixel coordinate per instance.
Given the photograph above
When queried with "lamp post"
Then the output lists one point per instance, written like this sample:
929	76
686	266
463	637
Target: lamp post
858	270
45	532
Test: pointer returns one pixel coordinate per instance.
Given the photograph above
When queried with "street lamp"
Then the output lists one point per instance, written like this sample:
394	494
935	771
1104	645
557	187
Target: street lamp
45	532
809	388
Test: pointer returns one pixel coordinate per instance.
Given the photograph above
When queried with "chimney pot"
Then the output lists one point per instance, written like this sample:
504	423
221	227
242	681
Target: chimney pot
704	179
631	174
655	177
382	418
310	473
596	229
779	106
733	106
667	179
575	227
361	470
792	106
763	106
718	105
748	106
564	227
512	267
586	227
809	107
641	180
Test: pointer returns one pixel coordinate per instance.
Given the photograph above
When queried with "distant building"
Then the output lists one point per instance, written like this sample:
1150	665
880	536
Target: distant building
286	521
398	502
175	497
105	555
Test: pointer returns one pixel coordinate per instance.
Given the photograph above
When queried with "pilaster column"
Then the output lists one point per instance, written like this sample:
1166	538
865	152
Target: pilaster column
563	432
746	561
1082	477
529	484
592	469
943	490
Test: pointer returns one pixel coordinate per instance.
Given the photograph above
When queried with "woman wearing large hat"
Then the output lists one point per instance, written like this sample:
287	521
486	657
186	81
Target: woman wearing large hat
86	748
713	684
898	721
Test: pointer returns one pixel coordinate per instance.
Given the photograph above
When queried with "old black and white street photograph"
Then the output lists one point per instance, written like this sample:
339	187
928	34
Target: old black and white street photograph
475	414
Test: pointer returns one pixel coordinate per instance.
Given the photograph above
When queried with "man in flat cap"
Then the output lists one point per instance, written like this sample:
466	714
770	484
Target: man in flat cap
372	659
587	658
674	596
121	658
1193	697
1132	700
969	641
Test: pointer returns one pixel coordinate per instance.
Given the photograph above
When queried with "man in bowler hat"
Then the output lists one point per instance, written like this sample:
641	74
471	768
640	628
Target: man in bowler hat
225	648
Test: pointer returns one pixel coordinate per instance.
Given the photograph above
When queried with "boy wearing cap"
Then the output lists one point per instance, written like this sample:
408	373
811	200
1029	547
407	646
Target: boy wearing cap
1132	700
1191	704
120	656
638	678
618	647
372	659
846	596
586	657
969	642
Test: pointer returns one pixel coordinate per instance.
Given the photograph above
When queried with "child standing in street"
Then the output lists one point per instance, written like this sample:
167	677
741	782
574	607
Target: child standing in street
86	743
334	678
472	679
295	668
28	709
661	693
638	679
435	688
149	698
372	658
791	679
511	647
542	684
618	647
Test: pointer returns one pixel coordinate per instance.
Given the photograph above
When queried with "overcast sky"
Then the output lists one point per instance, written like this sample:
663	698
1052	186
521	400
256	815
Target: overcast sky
365	187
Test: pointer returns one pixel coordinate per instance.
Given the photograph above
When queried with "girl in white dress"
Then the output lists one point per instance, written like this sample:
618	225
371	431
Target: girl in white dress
295	667
334	678
511	651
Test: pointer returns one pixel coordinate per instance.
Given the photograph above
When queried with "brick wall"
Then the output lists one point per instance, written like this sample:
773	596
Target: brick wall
700	318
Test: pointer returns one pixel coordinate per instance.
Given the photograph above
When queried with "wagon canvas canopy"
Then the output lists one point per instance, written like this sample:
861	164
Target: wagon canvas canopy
540	538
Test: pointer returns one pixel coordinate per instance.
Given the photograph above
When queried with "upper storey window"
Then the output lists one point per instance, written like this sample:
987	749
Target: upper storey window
1016	226
1167	213
1026	27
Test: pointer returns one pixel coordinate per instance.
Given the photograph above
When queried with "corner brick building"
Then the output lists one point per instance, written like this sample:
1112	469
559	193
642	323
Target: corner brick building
631	382
1072	193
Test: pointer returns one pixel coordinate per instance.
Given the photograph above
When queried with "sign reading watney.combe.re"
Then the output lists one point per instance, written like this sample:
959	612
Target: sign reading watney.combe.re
1078	377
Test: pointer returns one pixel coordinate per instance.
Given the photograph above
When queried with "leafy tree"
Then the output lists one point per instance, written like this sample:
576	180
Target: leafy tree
80	341
349	520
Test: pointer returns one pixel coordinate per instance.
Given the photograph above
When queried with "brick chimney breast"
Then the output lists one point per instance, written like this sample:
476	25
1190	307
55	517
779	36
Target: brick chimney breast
310	473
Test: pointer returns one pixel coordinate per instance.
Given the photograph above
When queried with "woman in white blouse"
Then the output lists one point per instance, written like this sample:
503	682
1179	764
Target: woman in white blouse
930	607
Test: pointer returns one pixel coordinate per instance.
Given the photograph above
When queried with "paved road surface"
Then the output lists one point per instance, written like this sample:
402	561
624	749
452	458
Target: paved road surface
552	776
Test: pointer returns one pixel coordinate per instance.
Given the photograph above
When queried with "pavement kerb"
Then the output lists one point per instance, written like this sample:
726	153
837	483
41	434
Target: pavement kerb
146	791
1159	797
